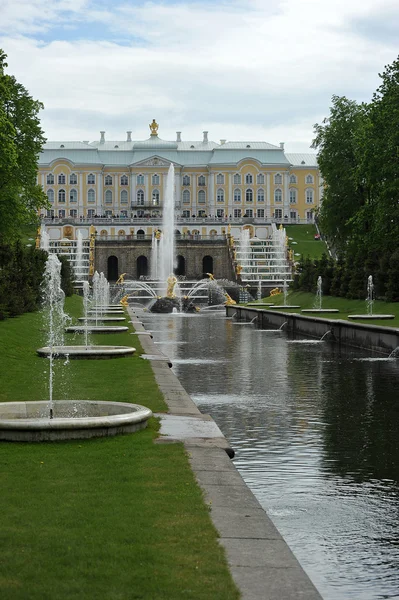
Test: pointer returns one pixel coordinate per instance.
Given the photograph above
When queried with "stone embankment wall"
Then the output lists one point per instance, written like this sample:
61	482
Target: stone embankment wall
371	337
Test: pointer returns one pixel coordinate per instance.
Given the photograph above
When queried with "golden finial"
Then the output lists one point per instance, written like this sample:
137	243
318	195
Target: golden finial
154	127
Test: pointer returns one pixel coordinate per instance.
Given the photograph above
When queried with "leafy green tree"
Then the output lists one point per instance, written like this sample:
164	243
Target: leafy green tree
393	278
21	140
337	142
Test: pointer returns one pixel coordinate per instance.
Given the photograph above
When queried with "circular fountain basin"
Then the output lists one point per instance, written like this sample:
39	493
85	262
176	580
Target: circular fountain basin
319	310
96	329
86	351
371	317
100	318
73	419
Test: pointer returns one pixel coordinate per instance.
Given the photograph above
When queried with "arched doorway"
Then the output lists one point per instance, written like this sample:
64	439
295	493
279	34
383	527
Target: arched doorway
142	266
207	265
140	234
180	265
112	268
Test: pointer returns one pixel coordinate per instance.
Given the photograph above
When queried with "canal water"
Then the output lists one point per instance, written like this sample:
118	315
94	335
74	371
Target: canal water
315	428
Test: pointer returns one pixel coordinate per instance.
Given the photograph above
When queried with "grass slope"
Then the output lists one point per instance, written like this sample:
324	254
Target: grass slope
112	518
303	235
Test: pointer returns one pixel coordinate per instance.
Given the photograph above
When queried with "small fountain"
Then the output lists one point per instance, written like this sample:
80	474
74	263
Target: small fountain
56	347
54	420
285	296
369	305
85	327
317	308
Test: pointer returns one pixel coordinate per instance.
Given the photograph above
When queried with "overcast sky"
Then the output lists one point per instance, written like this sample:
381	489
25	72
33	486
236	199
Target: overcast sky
241	69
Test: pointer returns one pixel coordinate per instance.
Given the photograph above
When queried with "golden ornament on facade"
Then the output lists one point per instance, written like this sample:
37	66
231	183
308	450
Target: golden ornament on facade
154	127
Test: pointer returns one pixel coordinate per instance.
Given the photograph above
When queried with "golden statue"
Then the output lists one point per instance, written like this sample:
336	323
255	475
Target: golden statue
154	127
124	301
210	275
229	300
39	235
275	292
290	255
121	279
238	269
158	234
171	281
229	229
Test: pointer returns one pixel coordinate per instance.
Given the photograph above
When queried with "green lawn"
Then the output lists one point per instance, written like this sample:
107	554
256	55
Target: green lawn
346	307
303	235
112	518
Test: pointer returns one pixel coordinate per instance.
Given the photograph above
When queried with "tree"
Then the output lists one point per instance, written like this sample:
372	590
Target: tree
21	140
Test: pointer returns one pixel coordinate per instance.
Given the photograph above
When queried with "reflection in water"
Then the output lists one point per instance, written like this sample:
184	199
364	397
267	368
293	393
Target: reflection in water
316	434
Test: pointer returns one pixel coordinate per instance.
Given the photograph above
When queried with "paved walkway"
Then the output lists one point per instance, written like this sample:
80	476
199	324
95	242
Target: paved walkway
261	563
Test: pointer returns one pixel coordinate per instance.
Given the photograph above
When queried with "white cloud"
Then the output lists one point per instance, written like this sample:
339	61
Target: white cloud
243	70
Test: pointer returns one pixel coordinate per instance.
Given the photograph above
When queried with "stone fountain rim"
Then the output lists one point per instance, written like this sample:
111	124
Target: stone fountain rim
138	415
82	350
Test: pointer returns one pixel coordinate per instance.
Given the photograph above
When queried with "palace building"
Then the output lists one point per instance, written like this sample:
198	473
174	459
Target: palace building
119	186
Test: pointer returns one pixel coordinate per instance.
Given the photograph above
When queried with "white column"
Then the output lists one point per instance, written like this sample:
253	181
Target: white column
211	195
100	188
80	194
286	196
268	209
146	188
132	190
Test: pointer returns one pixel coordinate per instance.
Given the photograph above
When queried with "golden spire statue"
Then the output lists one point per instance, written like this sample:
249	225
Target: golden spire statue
154	127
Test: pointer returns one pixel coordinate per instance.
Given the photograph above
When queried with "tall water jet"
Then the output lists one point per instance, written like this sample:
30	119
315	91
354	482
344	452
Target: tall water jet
54	314
285	291
44	240
167	257
319	294
78	267
86	300
370	295
259	291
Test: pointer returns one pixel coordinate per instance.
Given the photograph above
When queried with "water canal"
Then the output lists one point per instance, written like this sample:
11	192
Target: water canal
315	428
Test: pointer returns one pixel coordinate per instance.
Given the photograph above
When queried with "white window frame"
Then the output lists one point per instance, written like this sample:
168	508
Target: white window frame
293	195
186	197
260	213
220	179
220	195
50	195
124	197
237	179
108	180
73	195
220	213
201	180
140	197
278	213
61	196
186	181
249	213
260	196
249	179
155	179
91	179
309	179
140	179
293	179
278	179
91	195
108	197
50	179
61	179
309	196
73	179
201	197
278	196
237	213
260	179
124	178
249	196
237	196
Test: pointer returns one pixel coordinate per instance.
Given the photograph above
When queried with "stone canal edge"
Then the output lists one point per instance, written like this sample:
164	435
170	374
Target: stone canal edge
261	563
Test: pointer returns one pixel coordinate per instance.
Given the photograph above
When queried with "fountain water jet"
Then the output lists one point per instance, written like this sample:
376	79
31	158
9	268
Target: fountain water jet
369	305
317	308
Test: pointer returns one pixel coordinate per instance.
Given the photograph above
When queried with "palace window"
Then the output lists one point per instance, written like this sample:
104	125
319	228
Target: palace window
50	196
50	179
293	214
61	196
124	197
201	213
260	213
140	179
73	196
108	180
237	195
50	213
73	213
201	180
90	213
108	197
237	213
249	195
185	214
220	179
61	213
278	195
108	214
91	196
91	179
249	213
309	179
260	179
155	179
73	179
293	196
309	215
309	196
155	198
201	197
237	179
186	197
278	178
140	197
124	214
220	195
220	212
124	180
186	180
278	213
293	179
248	179
261	195
61	179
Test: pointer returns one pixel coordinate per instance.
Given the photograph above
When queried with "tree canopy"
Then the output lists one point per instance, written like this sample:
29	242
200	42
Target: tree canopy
358	153
21	140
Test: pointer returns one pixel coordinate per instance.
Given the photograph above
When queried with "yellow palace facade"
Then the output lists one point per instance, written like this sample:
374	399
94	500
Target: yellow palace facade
120	185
